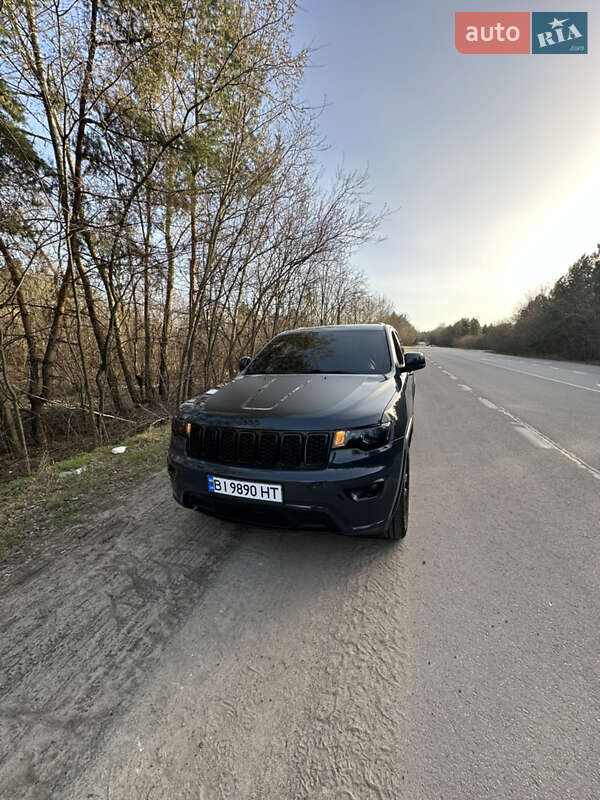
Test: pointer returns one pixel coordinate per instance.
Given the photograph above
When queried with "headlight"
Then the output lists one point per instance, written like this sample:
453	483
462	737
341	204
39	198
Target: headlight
179	427
363	438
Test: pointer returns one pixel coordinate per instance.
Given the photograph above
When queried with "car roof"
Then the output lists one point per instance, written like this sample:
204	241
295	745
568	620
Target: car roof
358	327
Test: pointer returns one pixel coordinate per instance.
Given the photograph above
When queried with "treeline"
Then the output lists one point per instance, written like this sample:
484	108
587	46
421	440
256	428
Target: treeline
562	322
161	208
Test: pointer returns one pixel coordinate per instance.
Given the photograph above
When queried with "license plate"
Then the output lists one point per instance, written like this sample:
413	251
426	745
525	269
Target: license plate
251	490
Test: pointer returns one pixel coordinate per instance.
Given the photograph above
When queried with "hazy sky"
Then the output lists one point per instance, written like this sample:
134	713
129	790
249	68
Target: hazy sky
493	162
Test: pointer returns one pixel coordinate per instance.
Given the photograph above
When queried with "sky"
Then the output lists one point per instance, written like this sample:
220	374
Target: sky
490	162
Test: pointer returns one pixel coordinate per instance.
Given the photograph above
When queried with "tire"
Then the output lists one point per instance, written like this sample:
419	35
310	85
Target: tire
398	524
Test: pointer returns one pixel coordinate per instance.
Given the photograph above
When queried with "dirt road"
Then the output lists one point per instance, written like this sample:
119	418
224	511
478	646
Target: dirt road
166	655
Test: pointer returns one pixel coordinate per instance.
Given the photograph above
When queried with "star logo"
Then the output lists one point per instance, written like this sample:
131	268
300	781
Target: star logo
559	32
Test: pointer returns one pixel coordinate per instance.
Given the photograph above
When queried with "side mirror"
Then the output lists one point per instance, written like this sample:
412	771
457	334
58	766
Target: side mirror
244	361
412	362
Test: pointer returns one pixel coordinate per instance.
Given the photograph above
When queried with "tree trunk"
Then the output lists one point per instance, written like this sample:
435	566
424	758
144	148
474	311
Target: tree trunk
163	386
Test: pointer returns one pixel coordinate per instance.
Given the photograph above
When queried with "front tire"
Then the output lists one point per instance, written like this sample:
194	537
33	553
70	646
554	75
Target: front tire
398	524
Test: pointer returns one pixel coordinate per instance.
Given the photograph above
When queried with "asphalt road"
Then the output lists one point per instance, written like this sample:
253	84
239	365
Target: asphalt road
159	654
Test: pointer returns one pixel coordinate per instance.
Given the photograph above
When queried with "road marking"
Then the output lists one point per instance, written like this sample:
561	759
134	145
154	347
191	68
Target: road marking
487	403
534	438
544	377
465	387
551	443
554	367
579	372
453	377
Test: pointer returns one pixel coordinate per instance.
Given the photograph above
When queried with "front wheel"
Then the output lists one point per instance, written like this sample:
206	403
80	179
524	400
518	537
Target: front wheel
398	524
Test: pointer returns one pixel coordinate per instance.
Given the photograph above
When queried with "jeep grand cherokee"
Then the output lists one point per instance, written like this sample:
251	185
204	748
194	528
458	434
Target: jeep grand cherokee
313	433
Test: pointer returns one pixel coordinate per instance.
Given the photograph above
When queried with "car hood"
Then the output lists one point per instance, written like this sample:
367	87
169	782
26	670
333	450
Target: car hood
294	402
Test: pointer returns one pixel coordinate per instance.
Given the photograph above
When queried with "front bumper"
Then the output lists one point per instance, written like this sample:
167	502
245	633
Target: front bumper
313	499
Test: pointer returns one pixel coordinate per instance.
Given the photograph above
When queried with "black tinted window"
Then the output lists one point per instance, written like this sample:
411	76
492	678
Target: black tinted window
355	352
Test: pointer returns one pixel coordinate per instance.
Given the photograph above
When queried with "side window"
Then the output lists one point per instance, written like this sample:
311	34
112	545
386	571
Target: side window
398	348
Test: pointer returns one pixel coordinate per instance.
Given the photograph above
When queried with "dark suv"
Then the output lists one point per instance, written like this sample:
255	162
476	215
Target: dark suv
313	433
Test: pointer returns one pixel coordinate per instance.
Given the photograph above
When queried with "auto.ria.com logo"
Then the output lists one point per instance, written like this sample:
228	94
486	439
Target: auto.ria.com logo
537	32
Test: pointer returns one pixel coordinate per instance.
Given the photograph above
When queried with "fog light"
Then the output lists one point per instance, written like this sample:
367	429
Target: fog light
366	492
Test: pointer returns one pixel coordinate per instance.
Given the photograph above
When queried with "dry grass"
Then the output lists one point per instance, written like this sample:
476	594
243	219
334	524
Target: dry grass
50	500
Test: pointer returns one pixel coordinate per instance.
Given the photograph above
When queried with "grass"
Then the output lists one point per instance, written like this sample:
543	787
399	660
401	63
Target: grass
50	500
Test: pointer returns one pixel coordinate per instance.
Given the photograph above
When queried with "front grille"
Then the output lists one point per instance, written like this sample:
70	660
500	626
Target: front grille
268	448
317	447
210	445
291	449
260	448
246	447
227	445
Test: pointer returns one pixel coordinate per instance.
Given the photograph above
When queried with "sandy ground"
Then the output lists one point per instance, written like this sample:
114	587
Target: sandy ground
165	654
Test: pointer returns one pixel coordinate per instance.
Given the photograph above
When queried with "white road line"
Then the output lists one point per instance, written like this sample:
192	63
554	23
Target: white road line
538	441
554	367
539	435
453	377
465	387
487	403
579	372
545	378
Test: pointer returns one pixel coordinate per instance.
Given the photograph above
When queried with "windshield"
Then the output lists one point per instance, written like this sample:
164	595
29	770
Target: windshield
353	352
